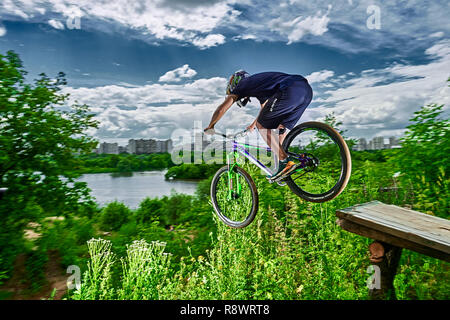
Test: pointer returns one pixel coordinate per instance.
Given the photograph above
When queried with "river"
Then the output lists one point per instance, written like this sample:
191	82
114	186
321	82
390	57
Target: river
132	188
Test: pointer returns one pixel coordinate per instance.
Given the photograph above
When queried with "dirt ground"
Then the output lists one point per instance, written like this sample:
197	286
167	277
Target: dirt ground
55	276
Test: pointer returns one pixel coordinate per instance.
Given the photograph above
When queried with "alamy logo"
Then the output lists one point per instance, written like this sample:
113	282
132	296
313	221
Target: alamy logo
374	20
74	281
74	19
374	281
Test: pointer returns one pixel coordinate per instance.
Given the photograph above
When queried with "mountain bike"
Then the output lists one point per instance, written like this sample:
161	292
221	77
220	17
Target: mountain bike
323	168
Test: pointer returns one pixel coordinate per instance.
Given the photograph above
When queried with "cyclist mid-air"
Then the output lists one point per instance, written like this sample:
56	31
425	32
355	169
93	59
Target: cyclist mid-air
283	98
314	159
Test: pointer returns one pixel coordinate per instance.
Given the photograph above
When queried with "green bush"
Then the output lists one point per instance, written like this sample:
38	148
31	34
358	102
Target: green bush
113	216
149	210
191	171
424	160
83	229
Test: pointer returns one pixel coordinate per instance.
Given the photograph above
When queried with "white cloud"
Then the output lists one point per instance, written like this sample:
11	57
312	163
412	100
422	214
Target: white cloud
41	10
11	7
319	76
56	24
211	40
246	37
209	23
155	18
374	102
344	26
438	34
299	27
156	110
384	100
195	92
178	74
2	30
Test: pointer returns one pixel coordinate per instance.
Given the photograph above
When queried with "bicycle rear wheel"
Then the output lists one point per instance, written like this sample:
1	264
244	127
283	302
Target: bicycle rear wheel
324	161
234	196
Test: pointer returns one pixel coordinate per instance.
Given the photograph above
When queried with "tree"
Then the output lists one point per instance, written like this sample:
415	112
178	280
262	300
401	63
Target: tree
425	145
424	160
40	135
149	210
125	165
113	216
331	120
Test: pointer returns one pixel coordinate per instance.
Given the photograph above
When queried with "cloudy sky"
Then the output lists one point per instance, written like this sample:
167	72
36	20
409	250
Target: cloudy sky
148	67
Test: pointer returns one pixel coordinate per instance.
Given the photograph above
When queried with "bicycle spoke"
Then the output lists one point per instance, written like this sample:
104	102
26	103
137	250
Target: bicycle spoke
301	175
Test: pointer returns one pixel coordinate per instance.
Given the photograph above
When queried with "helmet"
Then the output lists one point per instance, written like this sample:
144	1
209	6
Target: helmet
234	80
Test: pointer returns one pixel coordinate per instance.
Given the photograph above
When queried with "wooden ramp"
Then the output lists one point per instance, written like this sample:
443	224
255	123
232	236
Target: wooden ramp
398	226
394	228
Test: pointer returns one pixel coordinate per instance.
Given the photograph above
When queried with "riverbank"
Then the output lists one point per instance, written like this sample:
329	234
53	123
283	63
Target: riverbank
112	163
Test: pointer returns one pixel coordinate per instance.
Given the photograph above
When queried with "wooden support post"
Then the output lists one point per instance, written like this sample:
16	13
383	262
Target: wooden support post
2	192
386	257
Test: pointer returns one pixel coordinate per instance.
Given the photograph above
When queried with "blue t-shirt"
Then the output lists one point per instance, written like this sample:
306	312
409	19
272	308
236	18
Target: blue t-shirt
264	85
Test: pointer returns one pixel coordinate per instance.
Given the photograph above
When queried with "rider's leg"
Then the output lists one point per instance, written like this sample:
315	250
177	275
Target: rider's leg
285	165
272	140
281	136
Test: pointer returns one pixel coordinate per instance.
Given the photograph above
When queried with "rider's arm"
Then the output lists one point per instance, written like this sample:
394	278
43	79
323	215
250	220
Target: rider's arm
221	109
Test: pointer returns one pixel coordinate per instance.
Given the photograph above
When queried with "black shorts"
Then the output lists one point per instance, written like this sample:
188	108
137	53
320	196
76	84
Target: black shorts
286	106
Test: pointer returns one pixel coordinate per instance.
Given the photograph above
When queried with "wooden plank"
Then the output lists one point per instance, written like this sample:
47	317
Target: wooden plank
387	238
416	230
392	217
410	225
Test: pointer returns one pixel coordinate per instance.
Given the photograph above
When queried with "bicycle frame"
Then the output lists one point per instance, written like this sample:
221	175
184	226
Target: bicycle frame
240	148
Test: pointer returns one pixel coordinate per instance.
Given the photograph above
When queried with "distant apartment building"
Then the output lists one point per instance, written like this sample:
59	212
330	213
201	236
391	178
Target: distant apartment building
135	146
394	143
361	145
377	143
145	146
123	149
108	148
169	145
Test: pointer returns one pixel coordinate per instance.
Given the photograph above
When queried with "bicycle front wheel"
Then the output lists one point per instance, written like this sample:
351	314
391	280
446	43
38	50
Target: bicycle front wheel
234	196
324	161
